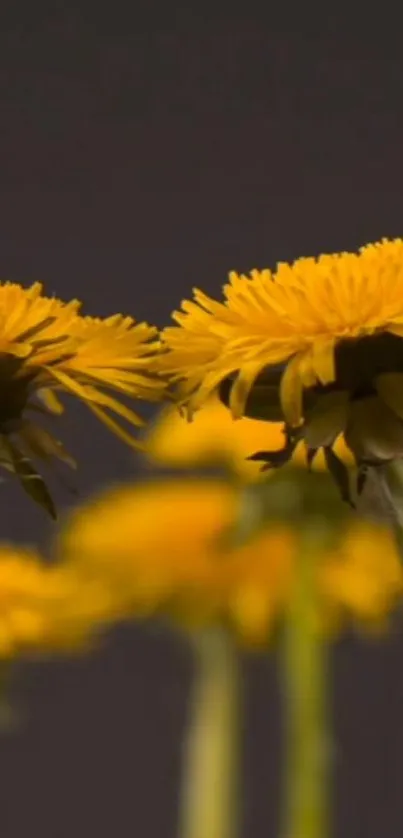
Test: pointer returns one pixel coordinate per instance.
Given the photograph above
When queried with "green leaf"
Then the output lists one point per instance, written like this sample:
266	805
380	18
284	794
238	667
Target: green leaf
31	481
339	473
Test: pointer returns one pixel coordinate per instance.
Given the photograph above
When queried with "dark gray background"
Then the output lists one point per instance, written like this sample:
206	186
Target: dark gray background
143	153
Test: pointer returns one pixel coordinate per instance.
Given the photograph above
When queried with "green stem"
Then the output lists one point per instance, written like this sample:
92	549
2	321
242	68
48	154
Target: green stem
209	787
307	744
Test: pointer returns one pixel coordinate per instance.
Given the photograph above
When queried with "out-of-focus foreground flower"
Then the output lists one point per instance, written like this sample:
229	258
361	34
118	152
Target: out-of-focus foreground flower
168	547
45	609
214	436
228	561
317	343
46	347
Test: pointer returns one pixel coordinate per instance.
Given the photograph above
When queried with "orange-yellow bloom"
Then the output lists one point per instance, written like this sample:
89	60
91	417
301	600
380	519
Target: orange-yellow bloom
355	578
168	547
214	436
46	347
322	336
46	609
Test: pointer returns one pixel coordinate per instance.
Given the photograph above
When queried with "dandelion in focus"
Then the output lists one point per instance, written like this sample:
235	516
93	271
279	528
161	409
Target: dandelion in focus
317	344
46	347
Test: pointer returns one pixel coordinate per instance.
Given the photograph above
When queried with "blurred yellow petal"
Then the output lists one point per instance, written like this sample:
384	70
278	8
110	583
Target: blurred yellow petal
163	548
46	609
213	436
364	575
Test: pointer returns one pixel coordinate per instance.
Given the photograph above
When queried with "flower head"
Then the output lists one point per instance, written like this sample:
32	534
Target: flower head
191	569
45	609
46	346
318	341
215	437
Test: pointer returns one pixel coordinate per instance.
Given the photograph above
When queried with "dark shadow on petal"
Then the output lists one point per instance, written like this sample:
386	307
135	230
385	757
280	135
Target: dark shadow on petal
263	401
359	361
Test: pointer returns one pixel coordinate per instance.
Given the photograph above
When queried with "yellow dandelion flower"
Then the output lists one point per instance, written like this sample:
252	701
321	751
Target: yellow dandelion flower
320	339
81	612
355	577
188	569
46	346
110	354
45	610
92	547
24	597
215	436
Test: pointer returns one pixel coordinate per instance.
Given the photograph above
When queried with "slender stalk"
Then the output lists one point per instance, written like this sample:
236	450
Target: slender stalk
209	788
9	717
307	744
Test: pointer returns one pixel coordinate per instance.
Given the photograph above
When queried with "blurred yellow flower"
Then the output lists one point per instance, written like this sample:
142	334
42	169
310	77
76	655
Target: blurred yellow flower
215	436
46	346
45	609
189	516
322	336
165	547
364	574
